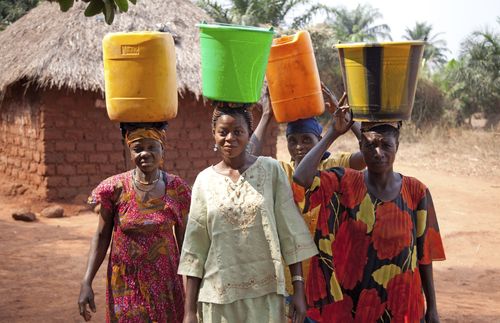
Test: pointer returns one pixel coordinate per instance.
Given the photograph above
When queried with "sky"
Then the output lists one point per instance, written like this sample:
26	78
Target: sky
455	19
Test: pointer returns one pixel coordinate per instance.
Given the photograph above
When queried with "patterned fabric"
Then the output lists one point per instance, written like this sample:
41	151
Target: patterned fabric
370	250
239	232
142	284
339	160
142	133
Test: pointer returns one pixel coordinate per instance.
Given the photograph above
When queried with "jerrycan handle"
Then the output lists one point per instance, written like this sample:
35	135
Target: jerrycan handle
283	40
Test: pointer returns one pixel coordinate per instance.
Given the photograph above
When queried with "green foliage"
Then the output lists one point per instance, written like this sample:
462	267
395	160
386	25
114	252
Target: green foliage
435	49
94	8
216	11
107	7
358	25
251	12
65	5
305	19
474	78
122	5
11	10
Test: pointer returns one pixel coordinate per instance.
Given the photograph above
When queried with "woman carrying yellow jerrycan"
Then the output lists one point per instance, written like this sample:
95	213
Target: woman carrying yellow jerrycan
138	210
142	211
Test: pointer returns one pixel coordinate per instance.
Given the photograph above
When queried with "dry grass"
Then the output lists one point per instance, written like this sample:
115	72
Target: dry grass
455	151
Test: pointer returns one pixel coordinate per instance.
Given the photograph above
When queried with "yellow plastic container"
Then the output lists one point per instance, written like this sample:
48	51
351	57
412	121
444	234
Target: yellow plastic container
293	78
381	79
140	76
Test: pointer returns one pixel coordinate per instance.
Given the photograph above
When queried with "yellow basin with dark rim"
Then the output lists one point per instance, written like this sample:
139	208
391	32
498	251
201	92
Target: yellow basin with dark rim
381	78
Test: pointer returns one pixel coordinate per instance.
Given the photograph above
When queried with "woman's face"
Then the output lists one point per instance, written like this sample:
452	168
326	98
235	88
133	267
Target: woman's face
299	144
231	135
379	150
147	154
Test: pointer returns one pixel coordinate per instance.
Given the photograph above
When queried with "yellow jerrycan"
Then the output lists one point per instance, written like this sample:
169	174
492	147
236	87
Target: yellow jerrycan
140	76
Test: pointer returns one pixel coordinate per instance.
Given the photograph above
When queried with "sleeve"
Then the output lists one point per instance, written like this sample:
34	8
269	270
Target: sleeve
288	168
324	185
338	160
182	194
196	239
429	243
295	240
104	193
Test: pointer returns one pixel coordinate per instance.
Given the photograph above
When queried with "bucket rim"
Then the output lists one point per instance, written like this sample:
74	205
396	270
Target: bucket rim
381	44
222	26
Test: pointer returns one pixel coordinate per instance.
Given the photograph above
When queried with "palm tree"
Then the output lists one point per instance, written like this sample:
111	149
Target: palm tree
251	12
216	11
475	77
435	49
358	25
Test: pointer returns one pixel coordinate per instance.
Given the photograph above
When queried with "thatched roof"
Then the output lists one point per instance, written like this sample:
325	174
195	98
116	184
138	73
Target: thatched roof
55	49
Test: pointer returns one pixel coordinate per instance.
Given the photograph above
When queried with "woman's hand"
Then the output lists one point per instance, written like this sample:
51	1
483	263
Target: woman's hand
331	101
266	104
342	118
86	297
190	317
298	308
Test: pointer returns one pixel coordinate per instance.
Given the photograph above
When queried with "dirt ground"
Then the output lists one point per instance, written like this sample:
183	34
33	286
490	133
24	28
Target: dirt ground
42	262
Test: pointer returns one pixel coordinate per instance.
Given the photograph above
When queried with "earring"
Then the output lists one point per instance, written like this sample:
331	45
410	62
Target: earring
215	147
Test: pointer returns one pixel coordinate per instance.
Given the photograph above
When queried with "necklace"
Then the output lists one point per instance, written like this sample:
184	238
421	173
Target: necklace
141	189
146	192
134	177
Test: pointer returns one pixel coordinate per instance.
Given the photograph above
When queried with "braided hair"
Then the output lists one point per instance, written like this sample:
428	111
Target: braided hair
242	110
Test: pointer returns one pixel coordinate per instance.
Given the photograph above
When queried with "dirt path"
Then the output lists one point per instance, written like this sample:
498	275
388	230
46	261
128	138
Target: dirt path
42	262
468	282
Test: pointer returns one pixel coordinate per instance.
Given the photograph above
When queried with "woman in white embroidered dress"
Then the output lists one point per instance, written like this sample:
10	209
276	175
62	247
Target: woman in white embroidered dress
242	224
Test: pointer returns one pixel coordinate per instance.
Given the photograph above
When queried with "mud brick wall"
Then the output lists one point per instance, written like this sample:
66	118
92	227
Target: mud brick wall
21	141
61	143
82	147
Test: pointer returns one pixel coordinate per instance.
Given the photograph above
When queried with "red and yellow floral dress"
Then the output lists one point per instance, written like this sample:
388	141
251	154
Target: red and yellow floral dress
142	284
367	269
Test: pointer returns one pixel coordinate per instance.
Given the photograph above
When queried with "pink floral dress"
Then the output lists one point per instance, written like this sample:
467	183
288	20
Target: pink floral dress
142	284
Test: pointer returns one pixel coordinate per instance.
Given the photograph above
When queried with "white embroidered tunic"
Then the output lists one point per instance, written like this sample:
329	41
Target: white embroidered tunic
238	233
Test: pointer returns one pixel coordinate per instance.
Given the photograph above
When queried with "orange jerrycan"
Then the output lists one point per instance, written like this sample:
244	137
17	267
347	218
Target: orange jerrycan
293	78
140	76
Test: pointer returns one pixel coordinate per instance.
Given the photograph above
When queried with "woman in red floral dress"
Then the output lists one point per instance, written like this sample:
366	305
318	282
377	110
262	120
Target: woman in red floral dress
376	232
139	210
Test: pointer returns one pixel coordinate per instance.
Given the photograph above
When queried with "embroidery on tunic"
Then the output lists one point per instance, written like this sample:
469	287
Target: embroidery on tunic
251	283
241	204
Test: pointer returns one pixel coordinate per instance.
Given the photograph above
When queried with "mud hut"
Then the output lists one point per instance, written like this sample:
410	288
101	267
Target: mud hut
55	137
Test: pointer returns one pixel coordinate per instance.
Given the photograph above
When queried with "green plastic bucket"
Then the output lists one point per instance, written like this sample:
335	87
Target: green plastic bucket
234	61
